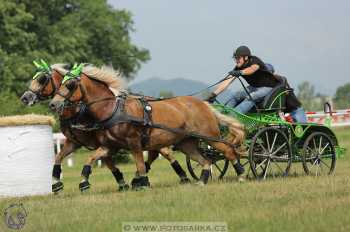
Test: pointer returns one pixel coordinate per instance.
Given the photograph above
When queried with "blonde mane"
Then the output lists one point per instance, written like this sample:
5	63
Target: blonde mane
60	68
107	75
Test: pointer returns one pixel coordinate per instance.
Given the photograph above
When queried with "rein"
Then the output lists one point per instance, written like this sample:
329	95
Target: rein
119	116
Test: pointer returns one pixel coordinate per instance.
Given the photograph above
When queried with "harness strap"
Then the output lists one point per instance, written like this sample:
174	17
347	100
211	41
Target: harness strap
147	121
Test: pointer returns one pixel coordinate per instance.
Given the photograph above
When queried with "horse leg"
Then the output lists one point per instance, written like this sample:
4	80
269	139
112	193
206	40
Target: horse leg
118	175
140	180
230	154
190	148
85	173
67	149
152	156
167	153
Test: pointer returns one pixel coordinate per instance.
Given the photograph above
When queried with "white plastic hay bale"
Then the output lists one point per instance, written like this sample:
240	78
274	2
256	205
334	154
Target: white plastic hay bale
26	155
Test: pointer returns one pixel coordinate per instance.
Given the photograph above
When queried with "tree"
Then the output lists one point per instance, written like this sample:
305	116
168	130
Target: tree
63	31
342	96
309	98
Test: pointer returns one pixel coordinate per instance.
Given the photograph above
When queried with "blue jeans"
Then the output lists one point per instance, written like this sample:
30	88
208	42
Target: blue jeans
299	115
246	103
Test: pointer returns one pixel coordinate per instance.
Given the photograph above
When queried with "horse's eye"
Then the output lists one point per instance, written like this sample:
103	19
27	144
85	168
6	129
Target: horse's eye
42	79
71	85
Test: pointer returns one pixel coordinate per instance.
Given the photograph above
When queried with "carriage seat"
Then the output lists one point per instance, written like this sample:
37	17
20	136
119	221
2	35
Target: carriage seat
275	100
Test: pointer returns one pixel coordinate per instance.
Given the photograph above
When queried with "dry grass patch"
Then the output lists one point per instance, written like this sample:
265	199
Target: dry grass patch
27	119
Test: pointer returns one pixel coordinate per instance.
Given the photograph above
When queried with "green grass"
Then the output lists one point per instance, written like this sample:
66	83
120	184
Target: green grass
291	204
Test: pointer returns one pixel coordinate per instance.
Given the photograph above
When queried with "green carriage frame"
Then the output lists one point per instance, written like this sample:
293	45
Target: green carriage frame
315	145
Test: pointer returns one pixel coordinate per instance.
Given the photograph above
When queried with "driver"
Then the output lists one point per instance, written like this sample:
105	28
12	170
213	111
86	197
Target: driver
255	73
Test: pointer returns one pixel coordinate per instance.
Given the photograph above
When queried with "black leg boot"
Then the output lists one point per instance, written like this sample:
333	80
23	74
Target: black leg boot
239	170
204	176
85	185
180	172
120	180
148	166
56	174
140	183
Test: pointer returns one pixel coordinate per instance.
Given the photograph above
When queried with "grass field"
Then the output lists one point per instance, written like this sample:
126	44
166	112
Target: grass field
299	203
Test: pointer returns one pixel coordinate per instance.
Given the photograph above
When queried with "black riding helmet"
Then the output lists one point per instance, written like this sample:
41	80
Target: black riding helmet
242	51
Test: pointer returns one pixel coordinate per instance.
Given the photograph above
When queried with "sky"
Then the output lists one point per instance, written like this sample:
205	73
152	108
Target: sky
195	39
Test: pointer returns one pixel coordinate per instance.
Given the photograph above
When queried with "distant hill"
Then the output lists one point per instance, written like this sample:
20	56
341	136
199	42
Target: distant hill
178	86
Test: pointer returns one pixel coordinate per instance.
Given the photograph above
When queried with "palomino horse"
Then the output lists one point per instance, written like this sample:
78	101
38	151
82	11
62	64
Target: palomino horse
47	80
122	125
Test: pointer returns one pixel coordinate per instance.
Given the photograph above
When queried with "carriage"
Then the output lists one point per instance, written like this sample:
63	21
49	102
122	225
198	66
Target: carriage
274	143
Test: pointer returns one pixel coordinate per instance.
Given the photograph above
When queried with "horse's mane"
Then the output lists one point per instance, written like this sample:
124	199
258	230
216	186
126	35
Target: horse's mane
107	75
61	68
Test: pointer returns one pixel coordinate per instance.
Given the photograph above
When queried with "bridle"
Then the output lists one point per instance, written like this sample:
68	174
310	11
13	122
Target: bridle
39	93
69	103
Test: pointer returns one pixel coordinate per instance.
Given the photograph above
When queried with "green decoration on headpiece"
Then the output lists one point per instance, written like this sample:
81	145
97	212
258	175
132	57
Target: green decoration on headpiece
45	65
41	67
74	73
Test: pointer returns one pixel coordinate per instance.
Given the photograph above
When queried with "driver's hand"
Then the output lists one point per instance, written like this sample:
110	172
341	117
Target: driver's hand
211	98
235	73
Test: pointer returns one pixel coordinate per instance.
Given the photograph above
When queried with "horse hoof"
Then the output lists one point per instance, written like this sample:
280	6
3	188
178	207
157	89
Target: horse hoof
57	187
140	183
123	188
185	180
83	186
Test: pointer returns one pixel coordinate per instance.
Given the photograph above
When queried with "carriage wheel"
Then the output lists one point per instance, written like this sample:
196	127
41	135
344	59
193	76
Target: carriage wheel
318	154
218	168
270	154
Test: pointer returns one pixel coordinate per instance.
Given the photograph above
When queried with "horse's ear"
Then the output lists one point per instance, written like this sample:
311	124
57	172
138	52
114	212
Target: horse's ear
76	71
45	65
36	64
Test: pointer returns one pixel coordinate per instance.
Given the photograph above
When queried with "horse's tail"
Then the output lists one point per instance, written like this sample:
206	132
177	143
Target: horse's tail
236	132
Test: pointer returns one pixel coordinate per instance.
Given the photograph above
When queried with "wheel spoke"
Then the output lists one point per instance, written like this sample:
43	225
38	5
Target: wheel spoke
315	146
324	163
319	146
265	151
261	155
267	167
273	143
327	156
278	149
267	141
321	151
259	165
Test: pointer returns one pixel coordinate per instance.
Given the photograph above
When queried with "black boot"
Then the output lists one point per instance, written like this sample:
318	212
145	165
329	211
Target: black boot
85	185
56	174
120	180
148	166
238	168
140	183
180	172
204	176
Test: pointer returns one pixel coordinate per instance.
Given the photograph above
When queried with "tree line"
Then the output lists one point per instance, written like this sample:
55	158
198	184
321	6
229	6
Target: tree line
61	31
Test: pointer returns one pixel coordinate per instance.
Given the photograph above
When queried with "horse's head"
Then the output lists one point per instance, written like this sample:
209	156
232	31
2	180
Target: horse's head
70	92
45	83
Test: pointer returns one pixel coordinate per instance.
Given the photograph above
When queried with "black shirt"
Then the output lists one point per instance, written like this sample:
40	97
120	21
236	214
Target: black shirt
260	78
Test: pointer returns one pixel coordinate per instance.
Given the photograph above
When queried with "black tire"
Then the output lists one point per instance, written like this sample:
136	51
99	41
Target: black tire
270	153
318	154
218	168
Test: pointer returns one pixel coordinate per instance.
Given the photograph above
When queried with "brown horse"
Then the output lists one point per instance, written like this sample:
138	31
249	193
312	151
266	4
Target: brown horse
45	86
184	115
